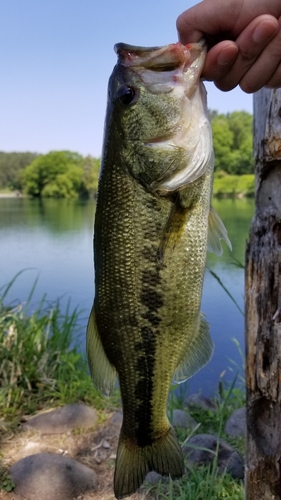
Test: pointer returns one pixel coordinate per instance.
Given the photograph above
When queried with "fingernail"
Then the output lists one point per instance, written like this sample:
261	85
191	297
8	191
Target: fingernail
227	56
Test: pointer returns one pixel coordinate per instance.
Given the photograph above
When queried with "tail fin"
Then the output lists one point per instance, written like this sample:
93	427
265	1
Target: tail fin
133	462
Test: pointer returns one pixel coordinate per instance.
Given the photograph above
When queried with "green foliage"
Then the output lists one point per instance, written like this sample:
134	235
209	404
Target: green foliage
206	482
90	176
200	483
12	166
6	483
234	185
65	174
62	174
39	363
57	174
233	137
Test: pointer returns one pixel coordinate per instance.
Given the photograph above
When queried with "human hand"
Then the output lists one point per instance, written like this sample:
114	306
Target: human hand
244	37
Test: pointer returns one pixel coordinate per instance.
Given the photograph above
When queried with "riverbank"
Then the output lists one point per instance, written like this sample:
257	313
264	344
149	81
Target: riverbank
11	194
42	369
234	185
224	186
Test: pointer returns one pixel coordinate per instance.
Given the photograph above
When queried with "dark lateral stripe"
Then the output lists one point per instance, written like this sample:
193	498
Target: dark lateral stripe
144	387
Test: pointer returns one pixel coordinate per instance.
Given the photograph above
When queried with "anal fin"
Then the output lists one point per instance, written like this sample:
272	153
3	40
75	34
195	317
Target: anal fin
102	371
198	354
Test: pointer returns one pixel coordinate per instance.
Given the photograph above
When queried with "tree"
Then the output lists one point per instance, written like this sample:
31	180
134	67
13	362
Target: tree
263	307
12	166
222	140
232	137
90	176
56	174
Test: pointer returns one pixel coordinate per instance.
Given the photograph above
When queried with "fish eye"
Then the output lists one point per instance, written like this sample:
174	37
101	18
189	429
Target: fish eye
126	94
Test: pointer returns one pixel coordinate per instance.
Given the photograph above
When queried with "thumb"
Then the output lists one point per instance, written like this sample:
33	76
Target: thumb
189	26
207	18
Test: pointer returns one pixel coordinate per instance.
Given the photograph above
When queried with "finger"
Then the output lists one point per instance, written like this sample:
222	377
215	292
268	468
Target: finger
265	70
201	19
219	60
275	81
252	41
187	27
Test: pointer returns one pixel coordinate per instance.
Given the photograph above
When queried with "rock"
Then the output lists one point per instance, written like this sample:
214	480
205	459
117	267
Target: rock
48	476
182	420
117	419
153	478
236	424
235	466
228	458
200	401
63	419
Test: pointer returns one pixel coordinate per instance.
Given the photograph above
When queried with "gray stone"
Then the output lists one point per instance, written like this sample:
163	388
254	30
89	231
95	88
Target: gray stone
63	419
47	476
182	420
200	401
228	458
153	478
235	466
117	419
236	424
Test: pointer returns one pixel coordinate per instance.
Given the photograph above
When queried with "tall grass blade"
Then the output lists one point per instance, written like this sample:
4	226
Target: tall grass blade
10	284
226	290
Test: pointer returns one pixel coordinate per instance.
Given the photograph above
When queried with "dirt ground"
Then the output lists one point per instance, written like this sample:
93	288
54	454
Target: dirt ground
95	448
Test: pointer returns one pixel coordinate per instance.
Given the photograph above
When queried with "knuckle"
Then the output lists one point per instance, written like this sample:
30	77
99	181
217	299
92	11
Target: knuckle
274	81
247	55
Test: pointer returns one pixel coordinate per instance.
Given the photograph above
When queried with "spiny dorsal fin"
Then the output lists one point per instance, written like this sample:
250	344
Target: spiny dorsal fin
198	353
102	372
216	232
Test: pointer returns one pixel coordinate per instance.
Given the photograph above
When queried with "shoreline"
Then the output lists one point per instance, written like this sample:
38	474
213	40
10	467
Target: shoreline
12	194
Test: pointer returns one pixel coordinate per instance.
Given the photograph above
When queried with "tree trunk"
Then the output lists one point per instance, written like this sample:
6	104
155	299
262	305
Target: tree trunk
263	307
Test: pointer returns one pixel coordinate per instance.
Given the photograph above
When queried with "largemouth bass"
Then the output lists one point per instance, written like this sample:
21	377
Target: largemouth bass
152	222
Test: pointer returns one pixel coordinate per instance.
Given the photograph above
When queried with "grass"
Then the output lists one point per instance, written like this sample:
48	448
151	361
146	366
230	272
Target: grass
234	185
40	364
205	482
200	484
41	367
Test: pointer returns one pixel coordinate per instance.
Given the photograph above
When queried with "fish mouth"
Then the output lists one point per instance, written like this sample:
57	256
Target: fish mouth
175	68
162	59
161	69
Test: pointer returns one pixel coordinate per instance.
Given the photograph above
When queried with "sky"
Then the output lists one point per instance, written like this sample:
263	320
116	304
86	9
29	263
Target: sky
55	60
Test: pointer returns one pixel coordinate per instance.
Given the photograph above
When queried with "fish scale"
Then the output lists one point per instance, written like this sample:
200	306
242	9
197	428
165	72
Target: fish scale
152	221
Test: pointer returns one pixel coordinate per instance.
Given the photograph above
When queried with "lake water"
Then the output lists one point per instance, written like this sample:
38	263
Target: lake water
52	240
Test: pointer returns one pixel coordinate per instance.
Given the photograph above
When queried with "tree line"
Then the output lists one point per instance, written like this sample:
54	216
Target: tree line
66	174
58	174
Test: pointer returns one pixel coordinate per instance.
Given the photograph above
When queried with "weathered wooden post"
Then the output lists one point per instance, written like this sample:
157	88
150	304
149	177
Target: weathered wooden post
263	307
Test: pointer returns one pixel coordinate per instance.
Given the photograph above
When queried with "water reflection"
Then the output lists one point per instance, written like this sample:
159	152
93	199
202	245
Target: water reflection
54	238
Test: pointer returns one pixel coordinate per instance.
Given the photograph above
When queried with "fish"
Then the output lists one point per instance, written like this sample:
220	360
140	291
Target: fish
153	225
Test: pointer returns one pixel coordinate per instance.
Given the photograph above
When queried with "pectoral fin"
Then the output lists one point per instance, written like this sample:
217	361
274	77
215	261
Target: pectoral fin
173	229
199	353
216	232
102	372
